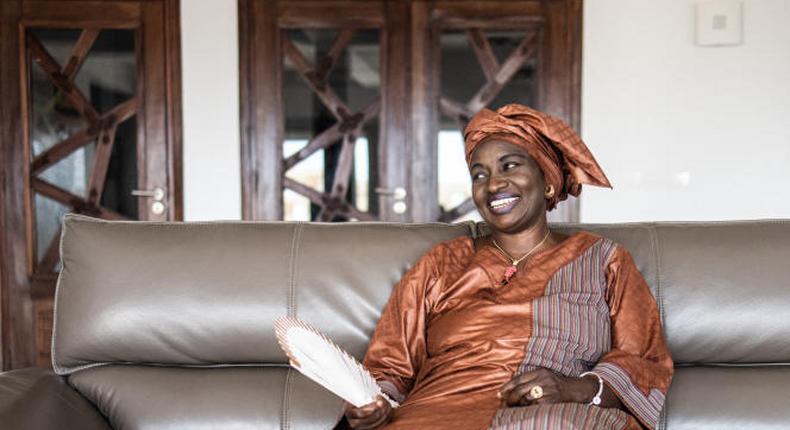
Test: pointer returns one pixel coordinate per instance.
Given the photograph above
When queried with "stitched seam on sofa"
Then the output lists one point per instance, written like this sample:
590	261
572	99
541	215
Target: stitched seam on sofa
284	414
657	256
75	369
356	224
64	370
59	370
84	218
293	263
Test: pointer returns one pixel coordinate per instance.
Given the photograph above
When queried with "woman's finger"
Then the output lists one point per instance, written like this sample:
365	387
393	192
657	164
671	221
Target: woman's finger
524	378
523	394
369	416
519	395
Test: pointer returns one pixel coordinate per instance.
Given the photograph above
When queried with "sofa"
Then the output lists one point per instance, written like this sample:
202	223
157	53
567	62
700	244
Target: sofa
170	325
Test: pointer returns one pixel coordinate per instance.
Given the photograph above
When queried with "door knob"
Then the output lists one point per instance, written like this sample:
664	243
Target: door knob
157	193
397	194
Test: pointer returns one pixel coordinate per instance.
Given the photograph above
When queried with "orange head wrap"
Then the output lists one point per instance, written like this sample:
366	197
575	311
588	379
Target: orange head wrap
565	160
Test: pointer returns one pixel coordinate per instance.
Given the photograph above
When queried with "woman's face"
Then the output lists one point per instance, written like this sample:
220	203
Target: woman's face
507	186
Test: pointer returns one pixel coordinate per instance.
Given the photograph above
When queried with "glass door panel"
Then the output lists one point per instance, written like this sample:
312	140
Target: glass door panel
82	131
331	85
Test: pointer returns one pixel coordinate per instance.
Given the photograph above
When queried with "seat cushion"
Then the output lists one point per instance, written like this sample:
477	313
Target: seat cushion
35	398
172	398
729	398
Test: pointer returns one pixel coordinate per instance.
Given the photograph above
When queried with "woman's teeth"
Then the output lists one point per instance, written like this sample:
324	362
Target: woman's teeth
500	203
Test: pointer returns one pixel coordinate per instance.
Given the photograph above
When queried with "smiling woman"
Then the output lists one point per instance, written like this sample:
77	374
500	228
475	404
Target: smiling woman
524	328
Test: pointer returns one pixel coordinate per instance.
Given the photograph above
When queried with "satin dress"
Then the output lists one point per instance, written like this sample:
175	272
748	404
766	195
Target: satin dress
451	335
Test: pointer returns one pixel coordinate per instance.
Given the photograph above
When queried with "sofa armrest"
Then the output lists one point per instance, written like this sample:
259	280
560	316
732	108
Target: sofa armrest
36	398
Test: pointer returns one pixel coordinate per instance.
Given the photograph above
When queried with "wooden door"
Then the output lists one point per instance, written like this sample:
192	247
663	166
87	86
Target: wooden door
321	93
91	126
439	62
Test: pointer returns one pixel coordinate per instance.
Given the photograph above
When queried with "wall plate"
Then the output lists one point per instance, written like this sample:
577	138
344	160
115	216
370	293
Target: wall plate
719	23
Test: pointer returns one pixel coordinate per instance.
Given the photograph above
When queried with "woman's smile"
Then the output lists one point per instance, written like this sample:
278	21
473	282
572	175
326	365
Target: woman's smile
502	203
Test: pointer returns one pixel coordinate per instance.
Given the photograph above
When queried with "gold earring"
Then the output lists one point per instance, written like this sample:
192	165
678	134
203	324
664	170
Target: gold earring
550	192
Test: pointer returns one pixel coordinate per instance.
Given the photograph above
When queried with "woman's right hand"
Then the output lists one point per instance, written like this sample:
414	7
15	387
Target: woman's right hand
369	416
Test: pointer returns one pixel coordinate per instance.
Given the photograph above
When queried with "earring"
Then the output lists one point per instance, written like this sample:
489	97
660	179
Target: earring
550	191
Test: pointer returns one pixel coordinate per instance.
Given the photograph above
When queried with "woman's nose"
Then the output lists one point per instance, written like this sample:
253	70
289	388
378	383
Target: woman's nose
496	183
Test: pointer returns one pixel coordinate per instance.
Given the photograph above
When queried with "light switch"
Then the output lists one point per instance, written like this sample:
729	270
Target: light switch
719	23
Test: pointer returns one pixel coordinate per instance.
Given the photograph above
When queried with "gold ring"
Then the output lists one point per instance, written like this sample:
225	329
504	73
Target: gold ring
536	392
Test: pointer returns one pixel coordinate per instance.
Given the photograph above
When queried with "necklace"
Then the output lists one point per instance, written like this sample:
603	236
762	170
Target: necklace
513	268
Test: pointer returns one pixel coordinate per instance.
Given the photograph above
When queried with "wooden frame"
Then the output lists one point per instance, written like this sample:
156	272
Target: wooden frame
25	303
409	96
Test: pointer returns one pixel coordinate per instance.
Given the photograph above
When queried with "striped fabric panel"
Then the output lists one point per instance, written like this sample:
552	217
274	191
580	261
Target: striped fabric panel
571	327
647	408
560	416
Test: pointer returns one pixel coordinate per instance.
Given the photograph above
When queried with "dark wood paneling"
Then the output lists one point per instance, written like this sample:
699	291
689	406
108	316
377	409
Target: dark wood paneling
17	307
560	72
172	32
424	174
245	108
394	143
338	14
262	163
83	14
154	92
486	10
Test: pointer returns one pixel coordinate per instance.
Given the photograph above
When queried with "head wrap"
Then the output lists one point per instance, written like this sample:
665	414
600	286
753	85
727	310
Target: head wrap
565	160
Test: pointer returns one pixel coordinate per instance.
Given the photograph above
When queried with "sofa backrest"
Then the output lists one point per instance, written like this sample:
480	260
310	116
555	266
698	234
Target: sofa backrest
206	294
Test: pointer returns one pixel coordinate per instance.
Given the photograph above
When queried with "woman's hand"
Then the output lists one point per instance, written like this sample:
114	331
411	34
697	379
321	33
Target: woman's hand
369	416
554	388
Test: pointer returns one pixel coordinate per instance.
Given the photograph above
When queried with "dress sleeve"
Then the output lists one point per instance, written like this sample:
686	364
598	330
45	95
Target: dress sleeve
398	346
638	368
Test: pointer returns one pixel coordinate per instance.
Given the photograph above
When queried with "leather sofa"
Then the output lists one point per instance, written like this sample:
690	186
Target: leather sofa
169	325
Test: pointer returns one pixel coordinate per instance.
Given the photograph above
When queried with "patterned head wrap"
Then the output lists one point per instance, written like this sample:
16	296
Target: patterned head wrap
565	160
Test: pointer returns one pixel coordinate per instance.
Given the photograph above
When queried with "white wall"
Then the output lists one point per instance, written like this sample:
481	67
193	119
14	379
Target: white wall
210	64
686	132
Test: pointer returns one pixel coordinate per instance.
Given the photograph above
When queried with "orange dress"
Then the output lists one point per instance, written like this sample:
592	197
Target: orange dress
451	335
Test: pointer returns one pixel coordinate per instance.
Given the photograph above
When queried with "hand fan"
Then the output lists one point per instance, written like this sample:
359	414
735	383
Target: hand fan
314	355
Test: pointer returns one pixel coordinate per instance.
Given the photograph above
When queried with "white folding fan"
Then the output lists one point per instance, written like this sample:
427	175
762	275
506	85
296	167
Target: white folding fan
314	355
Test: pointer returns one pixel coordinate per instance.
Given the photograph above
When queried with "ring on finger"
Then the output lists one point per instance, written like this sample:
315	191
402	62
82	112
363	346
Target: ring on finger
536	392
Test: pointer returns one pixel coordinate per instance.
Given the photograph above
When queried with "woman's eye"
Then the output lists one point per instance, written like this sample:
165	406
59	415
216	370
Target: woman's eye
510	165
478	175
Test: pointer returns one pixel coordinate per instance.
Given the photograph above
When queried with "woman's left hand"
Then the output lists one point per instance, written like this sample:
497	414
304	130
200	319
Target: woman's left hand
554	388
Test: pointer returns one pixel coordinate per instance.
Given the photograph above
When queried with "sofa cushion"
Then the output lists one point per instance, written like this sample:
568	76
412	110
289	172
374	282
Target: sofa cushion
35	398
729	398
147	397
725	291
208	293
723	287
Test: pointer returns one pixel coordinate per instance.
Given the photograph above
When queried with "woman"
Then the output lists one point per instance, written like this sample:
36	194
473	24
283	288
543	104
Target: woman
524	328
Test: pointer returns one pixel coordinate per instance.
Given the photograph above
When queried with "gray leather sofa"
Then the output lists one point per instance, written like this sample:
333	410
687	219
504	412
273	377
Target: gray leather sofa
169	326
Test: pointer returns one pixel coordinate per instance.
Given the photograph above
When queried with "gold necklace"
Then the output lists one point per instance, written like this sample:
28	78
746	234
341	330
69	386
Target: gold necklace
513	268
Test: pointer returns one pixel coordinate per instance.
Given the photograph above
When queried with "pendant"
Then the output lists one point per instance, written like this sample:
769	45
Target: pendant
509	272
